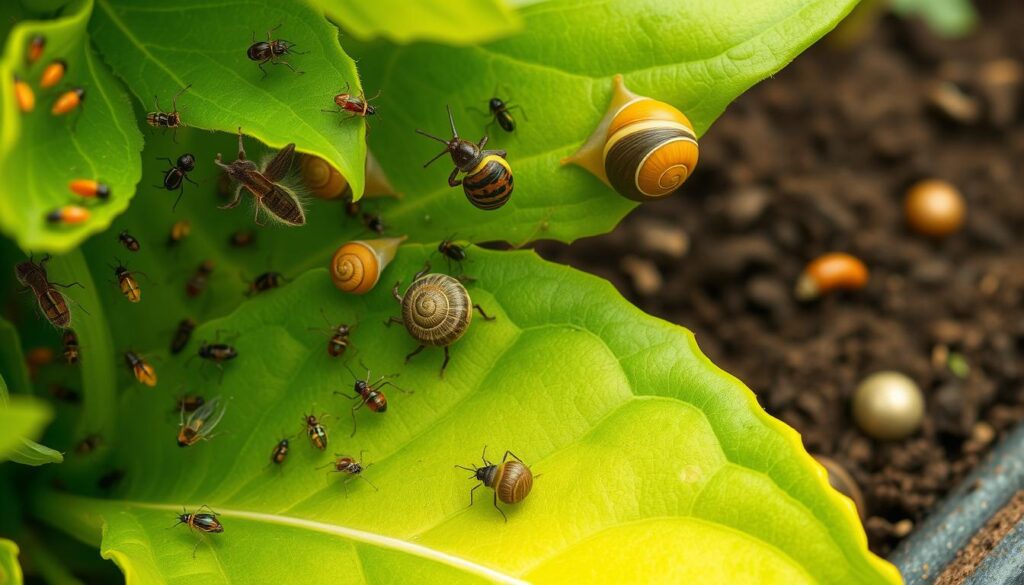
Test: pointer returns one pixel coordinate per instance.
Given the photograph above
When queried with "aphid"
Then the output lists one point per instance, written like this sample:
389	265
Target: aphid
500	111
68	101
68	215
109	480
374	223
182	335
358	106
172	120
643	148
338	342
202	522
90	188
369	394
128	241
349	466
830	272
24	95
126	281
179	231
316	431
88	444
143	372
241	239
71	351
510	480
200	423
51	302
436	311
65	394
264	282
36	45
175	177
280	202
271	51
53	73
189	403
488	182
452	252
280	452
197	284
217	353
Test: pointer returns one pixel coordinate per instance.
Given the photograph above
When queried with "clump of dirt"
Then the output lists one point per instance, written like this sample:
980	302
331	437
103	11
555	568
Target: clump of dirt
818	159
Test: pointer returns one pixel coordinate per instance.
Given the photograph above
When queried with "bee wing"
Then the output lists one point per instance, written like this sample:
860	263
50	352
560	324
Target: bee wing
278	167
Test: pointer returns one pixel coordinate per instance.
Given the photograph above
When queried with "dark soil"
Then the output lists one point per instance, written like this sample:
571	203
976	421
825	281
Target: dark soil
818	159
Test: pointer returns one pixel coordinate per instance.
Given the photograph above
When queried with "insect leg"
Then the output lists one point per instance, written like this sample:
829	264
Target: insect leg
471	493
482	142
499	509
354	409
452	181
234	202
414	352
181	192
394	320
483	314
444	364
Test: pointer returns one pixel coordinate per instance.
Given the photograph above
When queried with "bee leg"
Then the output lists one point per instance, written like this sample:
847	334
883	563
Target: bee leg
452	181
484	315
414	352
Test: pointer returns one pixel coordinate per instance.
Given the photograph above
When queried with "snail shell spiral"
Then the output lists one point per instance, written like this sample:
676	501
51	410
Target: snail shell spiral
436	310
514	482
322	179
643	148
356	266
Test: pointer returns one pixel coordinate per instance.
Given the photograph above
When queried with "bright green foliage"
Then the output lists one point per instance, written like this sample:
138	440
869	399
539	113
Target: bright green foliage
41	153
698	56
461	22
10	570
652	464
204	44
22	419
949	18
579	384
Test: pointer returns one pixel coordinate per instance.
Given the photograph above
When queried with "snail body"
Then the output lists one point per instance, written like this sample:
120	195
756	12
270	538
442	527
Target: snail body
643	148
436	311
356	266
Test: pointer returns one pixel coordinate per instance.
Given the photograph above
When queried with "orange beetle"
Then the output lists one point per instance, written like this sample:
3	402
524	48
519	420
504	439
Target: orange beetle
68	101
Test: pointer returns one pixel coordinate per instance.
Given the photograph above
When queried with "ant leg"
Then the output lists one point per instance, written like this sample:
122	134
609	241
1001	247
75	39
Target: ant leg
444	364
169	161
184	176
452	181
499	509
288	65
414	352
260	65
471	494
354	409
484	315
176	201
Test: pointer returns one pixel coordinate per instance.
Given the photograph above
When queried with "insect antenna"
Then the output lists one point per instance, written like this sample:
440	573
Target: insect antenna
451	119
439	155
441	140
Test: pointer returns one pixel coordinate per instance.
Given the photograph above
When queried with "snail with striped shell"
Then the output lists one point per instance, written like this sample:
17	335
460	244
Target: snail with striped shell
325	182
436	311
356	266
511	480
643	148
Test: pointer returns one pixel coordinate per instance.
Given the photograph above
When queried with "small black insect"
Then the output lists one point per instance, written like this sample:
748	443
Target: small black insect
128	241
175	176
374	223
182	335
162	119
452	252
271	51
264	282
500	111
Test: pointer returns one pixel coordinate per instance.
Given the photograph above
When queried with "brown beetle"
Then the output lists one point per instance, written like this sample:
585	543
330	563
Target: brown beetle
51	302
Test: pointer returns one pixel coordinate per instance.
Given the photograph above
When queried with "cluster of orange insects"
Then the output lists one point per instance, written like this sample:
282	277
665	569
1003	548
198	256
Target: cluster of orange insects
198	417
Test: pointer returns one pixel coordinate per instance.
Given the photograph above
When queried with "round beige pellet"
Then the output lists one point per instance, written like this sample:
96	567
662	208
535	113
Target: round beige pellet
888	406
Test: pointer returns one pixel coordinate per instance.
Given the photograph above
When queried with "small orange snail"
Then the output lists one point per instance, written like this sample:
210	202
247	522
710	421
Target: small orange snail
356	266
643	148
325	182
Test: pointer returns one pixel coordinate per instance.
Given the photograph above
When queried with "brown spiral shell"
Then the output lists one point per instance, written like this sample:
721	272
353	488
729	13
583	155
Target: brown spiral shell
643	148
356	266
514	482
322	179
437	310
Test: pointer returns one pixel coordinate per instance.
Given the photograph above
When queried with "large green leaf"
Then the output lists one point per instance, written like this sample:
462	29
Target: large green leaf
457	22
40	153
651	461
696	55
158	52
22	419
10	569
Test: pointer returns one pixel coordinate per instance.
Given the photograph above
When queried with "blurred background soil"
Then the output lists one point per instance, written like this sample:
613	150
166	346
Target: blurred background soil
818	159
